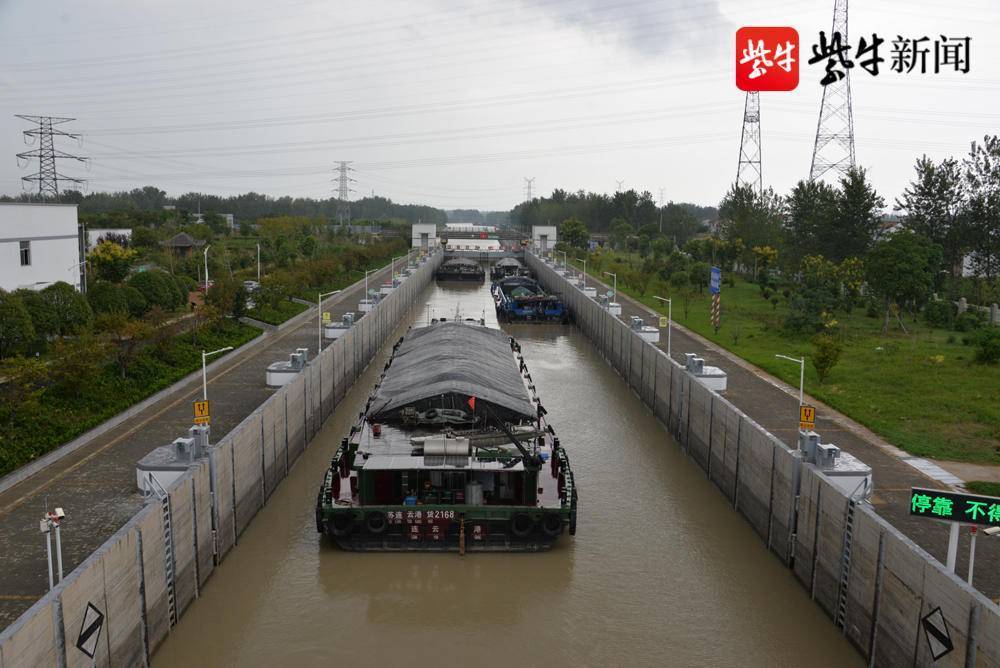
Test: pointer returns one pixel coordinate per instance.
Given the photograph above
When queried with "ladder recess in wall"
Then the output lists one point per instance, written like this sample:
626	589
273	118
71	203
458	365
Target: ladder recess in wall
845	565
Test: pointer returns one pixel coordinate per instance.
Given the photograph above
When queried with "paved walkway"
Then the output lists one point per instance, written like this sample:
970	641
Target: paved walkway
96	483
774	404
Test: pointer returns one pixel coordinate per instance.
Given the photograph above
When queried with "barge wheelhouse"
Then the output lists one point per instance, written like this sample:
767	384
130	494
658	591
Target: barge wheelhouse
452	452
461	269
522	299
507	266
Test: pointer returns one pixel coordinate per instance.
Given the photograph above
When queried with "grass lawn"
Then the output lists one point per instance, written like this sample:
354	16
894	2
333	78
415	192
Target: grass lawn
983	487
275	316
919	391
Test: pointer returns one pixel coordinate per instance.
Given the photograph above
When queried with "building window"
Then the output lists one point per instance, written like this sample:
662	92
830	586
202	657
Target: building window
25	253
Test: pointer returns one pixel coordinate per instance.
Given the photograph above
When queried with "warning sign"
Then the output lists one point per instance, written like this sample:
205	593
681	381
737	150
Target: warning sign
936	632
326	316
807	417
201	412
90	630
663	321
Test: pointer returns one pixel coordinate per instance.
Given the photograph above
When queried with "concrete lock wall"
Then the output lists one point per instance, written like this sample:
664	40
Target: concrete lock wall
145	576
877	586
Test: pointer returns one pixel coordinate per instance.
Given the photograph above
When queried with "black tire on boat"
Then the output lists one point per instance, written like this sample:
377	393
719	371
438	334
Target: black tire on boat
552	524
520	525
341	524
376	521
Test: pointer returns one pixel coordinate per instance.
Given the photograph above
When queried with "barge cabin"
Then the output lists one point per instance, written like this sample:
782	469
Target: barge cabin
461	269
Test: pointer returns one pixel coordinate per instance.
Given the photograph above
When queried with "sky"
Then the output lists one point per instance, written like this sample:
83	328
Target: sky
454	103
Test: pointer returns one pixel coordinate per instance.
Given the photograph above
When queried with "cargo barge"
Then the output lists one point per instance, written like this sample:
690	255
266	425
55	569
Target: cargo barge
461	269
507	266
522	299
452	453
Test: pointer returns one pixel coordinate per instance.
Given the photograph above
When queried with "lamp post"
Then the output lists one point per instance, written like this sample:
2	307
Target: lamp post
206	267
670	309
801	361
50	521
580	259
565	264
258	263
615	288
319	319
204	373
83	278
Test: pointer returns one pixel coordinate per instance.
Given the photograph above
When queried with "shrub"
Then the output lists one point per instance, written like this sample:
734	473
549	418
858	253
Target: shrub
940	314
107	297
135	302
826	354
987	342
970	321
16	330
158	287
873	309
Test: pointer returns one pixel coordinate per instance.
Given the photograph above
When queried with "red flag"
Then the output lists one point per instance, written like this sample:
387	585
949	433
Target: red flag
472	403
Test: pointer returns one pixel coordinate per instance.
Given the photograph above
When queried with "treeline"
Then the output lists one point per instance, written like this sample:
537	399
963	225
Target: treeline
601	213
149	201
498	218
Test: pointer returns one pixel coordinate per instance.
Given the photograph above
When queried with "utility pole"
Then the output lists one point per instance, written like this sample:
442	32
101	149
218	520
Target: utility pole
834	147
749	172
47	176
344	190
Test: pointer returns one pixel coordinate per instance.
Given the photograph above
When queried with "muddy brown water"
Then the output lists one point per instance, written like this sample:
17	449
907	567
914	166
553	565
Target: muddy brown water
662	571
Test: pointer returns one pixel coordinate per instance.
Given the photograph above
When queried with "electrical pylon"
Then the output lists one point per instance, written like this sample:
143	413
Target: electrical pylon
749	171
834	147
47	176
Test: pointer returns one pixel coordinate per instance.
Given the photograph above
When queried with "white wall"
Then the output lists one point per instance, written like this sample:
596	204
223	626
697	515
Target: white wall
547	231
52	232
424	228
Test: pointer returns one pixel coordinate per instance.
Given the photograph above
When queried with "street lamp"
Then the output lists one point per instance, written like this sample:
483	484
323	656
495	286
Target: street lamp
319	319
801	361
565	264
580	259
615	288
258	263
204	374
670	309
83	282
206	267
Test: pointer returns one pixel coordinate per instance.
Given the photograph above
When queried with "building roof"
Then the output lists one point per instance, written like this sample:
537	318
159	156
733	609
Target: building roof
452	361
183	240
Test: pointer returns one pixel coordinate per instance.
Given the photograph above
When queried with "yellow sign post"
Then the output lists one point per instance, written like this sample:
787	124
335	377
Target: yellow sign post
663	322
807	417
201	412
326	316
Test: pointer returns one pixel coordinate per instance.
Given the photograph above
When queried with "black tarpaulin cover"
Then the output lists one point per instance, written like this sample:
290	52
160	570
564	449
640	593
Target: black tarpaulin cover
456	360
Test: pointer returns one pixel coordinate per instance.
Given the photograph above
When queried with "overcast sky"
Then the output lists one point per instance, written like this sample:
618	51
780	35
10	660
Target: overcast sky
452	103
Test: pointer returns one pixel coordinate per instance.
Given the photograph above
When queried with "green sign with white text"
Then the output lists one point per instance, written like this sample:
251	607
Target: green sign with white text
955	507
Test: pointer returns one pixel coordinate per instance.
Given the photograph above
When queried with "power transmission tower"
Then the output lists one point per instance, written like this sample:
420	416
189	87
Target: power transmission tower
749	172
344	190
527	199
48	176
834	148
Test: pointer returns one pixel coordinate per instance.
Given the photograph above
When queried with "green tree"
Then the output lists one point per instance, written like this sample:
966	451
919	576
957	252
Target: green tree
16	330
858	219
751	217
811	209
158	288
127	336
26	378
934	206
620	232
72	312
44	319
982	178
826	354
78	362
111	262
902	268
574	233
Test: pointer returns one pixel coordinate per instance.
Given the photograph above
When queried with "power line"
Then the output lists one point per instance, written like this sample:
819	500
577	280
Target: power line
48	176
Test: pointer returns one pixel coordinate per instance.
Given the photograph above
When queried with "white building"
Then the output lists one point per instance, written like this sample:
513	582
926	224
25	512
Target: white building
39	245
424	235
543	237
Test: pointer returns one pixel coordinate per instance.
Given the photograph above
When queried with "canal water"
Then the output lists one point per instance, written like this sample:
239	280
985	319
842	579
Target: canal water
661	572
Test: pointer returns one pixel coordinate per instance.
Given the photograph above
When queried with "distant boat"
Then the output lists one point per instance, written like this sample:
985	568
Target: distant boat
461	269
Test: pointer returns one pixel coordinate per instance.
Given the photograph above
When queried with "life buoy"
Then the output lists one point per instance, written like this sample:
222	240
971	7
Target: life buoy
520	525
376	521
552	524
341	524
